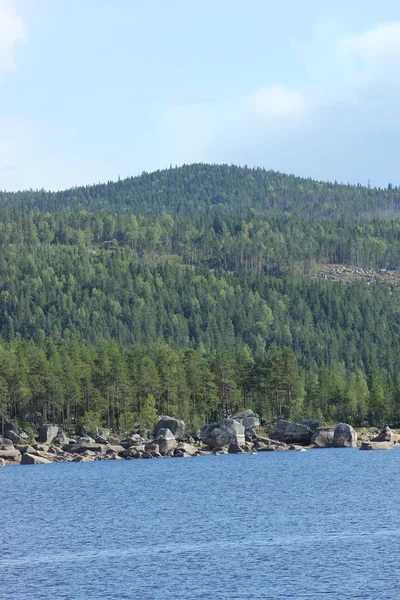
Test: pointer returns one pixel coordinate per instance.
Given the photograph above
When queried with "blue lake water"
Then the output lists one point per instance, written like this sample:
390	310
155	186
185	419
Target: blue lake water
285	525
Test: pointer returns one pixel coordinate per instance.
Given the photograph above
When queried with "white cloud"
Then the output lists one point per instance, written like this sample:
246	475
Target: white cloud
321	127
12	31
381	43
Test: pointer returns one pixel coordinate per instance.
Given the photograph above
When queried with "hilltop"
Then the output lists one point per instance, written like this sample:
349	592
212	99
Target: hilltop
198	189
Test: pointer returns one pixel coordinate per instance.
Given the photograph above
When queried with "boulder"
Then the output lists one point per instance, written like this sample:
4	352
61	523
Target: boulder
248	419
165	440
24	449
101	439
270	446
61	438
152	447
175	426
2	462
313	424
223	433
291	433
323	438
41	447
187	448
251	435
33	459
132	440
10	454
85	439
146	454
376	446
221	450
234	448
112	449
81	448
80	458
114	441
344	436
14	437
179	453
5	442
47	433
385	435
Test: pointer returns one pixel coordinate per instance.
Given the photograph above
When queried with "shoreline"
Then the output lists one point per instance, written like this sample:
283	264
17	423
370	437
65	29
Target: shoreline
136	448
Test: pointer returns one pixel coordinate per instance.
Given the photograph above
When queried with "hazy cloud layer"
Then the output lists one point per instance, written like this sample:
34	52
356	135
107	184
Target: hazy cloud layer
354	92
12	31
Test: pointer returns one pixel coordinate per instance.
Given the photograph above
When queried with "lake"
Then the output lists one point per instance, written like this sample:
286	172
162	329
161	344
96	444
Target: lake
279	525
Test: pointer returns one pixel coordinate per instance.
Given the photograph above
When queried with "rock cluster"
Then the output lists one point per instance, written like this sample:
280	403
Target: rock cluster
236	434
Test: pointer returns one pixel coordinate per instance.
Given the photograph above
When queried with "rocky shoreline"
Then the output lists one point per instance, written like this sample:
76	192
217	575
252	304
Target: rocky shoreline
237	434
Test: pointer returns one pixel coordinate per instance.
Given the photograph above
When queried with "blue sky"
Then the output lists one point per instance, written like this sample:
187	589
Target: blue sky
95	89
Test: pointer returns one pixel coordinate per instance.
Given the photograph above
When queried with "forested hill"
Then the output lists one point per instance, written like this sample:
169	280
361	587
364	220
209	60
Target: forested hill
197	291
198	189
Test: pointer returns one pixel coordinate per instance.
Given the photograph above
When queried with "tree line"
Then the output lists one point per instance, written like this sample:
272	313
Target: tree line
107	386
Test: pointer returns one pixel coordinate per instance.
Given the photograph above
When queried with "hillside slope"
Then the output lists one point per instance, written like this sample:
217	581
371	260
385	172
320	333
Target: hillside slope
198	189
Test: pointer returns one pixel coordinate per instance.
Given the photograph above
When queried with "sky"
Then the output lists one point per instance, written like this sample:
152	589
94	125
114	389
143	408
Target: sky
93	90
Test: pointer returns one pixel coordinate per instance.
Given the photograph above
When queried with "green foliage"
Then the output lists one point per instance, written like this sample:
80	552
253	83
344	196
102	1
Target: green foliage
193	292
91	421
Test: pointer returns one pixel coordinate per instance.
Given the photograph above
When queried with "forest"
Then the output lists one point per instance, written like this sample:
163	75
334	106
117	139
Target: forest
195	291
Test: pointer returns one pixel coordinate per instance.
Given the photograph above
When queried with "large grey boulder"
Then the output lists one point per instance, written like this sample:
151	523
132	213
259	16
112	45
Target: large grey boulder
313	424
47	433
81	448
176	427
376	446
323	438
12	436
291	433
223	433
344	436
165	440
248	419
386	435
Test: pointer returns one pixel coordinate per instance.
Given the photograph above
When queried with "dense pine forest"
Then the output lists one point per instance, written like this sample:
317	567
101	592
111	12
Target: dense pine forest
195	291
